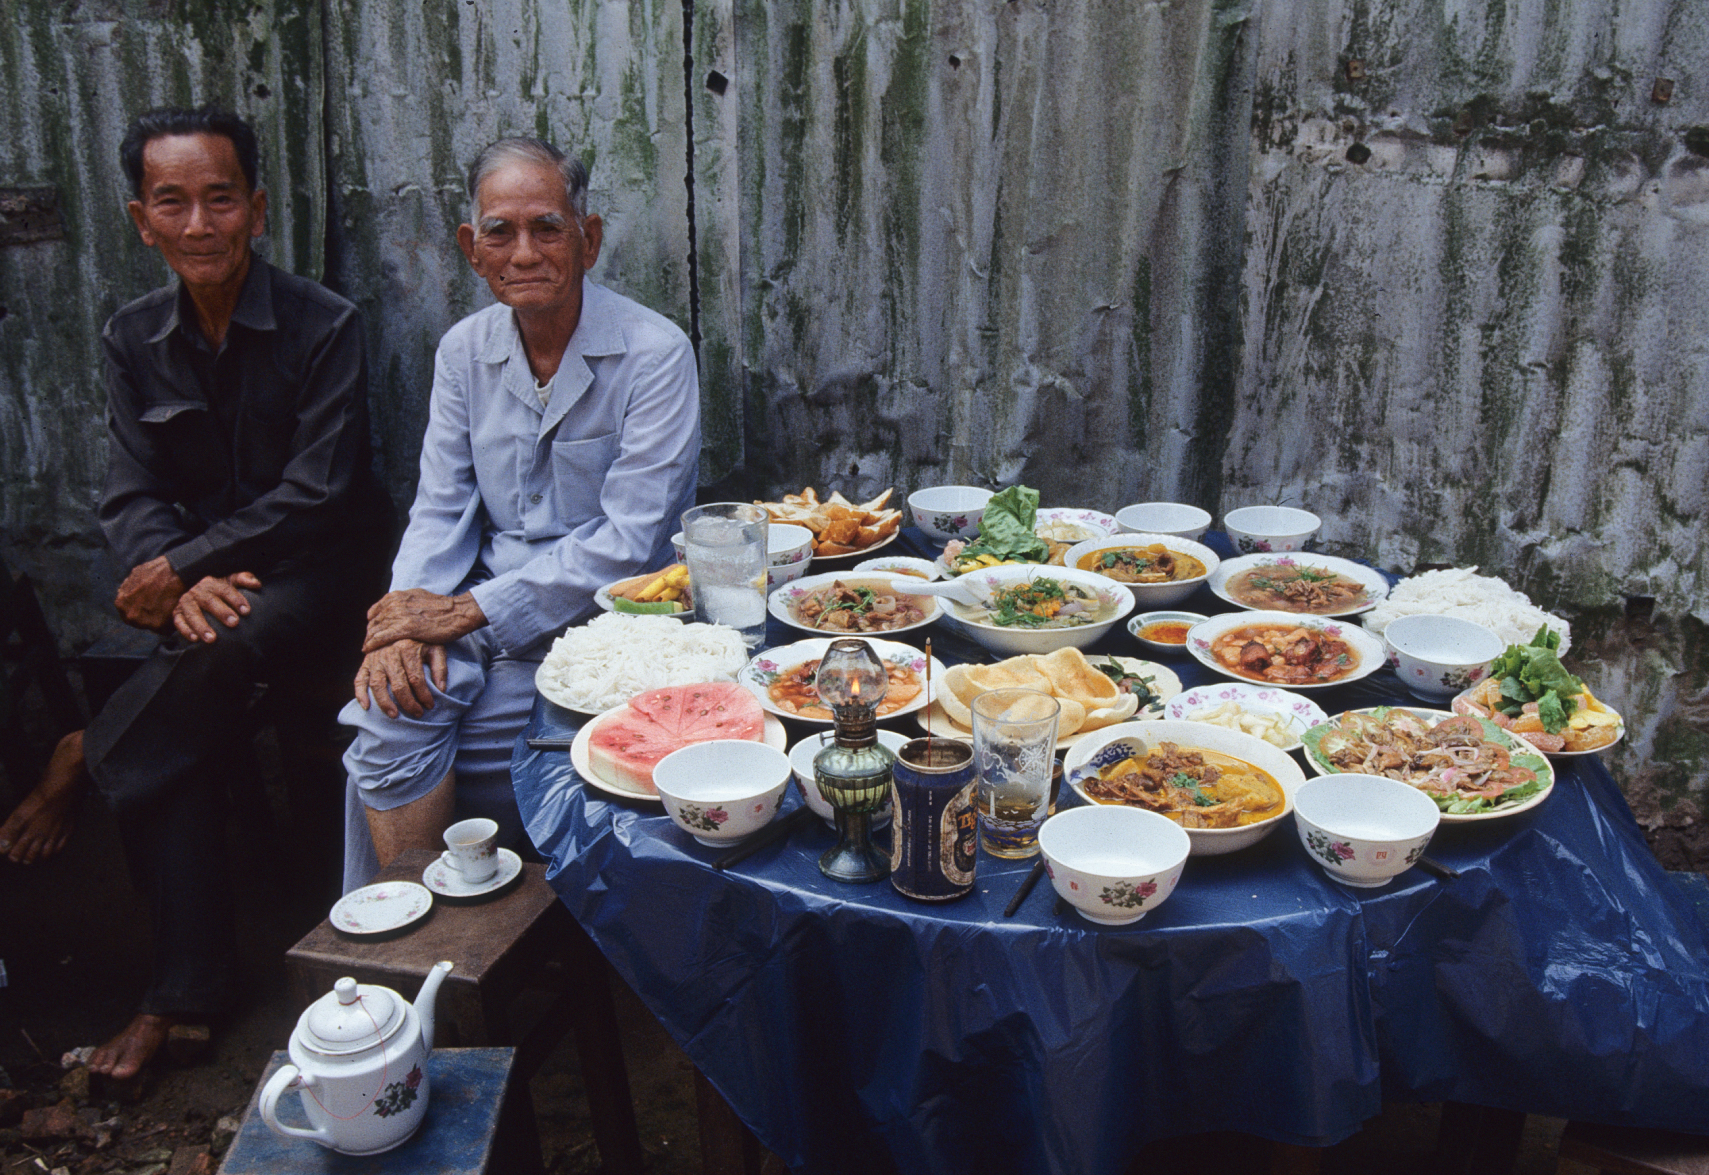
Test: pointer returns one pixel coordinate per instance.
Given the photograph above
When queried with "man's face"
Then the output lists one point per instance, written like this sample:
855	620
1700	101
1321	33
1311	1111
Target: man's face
197	209
530	245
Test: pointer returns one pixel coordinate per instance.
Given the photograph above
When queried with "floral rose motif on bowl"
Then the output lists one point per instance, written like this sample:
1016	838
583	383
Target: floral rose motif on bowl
706	819
1125	895
956	522
1333	852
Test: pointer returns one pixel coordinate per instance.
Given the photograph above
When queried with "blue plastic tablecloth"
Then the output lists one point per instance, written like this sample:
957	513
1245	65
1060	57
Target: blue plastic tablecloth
1561	973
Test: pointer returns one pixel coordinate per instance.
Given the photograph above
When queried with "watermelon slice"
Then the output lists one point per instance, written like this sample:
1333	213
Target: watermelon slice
628	743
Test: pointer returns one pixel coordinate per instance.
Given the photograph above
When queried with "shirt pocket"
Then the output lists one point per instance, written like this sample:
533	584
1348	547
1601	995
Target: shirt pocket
578	476
183	433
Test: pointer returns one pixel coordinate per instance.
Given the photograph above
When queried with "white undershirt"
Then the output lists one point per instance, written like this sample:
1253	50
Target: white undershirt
544	391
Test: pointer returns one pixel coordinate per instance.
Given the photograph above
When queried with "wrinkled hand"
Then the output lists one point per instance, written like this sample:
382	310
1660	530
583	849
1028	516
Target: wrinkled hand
395	678
215	596
416	614
149	594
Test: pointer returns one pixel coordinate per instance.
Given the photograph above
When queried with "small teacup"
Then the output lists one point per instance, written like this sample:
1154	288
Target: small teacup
472	849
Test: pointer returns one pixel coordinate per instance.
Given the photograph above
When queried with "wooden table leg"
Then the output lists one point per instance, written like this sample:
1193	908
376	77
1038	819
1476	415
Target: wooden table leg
727	1146
605	1076
1477	1140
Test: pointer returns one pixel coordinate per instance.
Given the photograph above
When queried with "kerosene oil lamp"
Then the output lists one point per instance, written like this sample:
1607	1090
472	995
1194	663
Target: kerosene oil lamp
854	771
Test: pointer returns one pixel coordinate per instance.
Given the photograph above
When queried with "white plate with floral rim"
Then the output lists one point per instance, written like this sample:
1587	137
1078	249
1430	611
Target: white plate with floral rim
1297	712
904	662
1105	524
1376	587
1522	755
380	908
785	602
582	761
1164	684
1366	651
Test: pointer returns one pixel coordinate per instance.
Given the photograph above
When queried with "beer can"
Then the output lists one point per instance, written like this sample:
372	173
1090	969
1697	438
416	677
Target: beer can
934	832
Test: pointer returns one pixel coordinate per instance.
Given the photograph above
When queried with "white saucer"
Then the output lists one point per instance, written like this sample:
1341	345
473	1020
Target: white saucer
445	881
380	908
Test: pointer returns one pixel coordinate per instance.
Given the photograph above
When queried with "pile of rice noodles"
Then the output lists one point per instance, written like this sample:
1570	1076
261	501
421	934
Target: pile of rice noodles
613	657
1482	599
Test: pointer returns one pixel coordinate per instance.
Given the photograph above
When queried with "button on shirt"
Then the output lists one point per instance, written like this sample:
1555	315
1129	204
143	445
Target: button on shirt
533	507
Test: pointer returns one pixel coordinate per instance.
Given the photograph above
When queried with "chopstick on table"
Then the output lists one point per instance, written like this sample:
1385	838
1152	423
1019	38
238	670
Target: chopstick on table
1439	869
775	831
550	744
1026	888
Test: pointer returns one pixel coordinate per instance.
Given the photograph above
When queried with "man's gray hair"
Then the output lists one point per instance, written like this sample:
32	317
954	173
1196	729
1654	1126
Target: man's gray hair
523	150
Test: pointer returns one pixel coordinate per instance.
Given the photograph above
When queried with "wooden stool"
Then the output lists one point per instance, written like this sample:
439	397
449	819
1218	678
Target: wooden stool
500	947
1628	1150
478	1120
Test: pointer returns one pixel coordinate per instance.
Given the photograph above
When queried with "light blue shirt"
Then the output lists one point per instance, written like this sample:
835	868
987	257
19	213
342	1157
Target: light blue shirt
543	504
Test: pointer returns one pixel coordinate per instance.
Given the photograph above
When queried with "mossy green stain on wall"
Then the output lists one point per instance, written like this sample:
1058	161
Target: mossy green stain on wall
902	109
1139	388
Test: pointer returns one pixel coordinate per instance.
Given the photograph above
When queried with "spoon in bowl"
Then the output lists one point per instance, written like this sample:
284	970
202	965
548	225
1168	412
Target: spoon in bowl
959	591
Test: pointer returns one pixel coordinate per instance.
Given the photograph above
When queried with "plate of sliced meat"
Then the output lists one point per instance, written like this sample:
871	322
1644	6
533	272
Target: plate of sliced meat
617	751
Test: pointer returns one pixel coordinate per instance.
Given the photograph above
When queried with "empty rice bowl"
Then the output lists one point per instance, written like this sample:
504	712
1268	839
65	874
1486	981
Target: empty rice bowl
801	757
948	512
722	791
1462	593
1364	830
1171	518
786	543
1270	528
1113	865
1437	657
1111	745
600	665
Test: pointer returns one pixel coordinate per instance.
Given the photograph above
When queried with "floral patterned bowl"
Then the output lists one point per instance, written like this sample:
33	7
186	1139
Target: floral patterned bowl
1437	657
722	791
1114	865
948	512
1256	529
1364	830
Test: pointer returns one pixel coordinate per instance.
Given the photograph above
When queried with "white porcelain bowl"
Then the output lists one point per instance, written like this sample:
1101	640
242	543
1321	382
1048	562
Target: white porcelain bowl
1172	518
1113	865
1073	524
1113	744
906	564
1367	649
784	604
948	512
786	543
779	574
1152	595
1136	625
1364	830
722	791
801	757
1010	641
1270	528
1437	657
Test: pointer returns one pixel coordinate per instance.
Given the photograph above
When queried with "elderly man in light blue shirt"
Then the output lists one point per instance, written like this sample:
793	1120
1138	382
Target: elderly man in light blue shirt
561	449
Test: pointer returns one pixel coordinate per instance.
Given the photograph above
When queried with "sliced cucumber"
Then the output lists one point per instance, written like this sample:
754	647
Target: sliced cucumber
651	607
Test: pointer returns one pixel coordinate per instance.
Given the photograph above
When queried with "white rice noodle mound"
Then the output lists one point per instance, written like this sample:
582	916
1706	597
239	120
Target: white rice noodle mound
605	662
1482	599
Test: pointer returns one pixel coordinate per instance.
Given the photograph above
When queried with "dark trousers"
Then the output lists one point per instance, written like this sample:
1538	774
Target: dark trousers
160	753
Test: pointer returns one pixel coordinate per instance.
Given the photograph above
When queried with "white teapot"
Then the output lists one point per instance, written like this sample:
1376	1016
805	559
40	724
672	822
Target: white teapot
359	1058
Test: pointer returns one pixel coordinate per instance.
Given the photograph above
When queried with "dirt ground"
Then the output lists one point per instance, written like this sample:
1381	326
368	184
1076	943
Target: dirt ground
72	949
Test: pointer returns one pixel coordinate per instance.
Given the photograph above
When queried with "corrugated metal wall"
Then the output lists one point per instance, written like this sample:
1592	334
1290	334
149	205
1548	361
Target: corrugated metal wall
1114	249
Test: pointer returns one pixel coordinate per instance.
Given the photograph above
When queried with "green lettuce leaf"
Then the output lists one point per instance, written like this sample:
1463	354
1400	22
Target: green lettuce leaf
1006	528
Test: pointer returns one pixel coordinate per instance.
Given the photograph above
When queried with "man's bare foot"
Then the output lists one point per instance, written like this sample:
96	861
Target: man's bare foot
132	1048
41	823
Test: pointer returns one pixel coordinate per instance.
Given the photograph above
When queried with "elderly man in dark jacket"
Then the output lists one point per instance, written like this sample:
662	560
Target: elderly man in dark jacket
240	497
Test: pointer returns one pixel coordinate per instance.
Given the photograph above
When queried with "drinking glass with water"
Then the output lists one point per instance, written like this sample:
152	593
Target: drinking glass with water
726	547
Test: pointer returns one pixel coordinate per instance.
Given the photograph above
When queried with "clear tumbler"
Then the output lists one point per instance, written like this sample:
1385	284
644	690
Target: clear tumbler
726	547
1014	746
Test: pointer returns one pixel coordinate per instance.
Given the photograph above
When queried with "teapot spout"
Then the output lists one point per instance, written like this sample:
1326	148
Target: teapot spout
424	1001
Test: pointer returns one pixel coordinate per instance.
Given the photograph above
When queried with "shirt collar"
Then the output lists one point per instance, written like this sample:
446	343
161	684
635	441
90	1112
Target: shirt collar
254	305
596	334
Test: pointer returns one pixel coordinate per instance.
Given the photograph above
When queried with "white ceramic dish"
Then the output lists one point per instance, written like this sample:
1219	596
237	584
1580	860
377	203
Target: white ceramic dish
948	512
773	736
380	908
546	683
801	757
1163	682
1097	520
1367	648
905	564
1376	587
1320	766
1619	732
1364	830
1151	595
1270	528
1009	641
602	597
1113	865
1437	657
1298	712
1170	518
723	791
1113	744
760	672
787	543
446	882
784	602
1136	624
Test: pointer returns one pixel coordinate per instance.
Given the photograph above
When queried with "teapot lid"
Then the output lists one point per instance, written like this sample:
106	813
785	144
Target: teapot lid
351	1017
